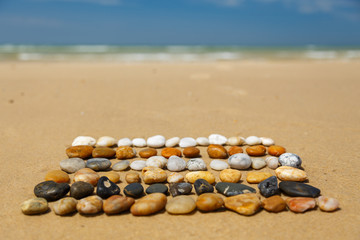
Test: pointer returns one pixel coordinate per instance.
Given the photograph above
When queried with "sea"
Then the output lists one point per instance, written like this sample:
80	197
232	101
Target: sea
115	53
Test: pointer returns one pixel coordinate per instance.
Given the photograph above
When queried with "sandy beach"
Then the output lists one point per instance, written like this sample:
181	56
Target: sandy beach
309	107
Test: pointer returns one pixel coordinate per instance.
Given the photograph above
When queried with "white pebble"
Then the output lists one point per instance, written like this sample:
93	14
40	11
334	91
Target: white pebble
156	161
72	165
138	165
106	141
239	161
172	142
217	139
235	141
267	141
258	163
196	164
139	142
156	141
218	165
187	142
124	142
175	178
253	140
202	141
176	164
120	166
84	140
272	162
290	159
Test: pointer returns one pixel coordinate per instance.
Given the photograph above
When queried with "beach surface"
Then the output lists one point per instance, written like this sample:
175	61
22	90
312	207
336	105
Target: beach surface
309	107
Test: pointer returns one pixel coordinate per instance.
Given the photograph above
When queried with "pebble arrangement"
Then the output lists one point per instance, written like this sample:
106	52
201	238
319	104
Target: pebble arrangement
92	193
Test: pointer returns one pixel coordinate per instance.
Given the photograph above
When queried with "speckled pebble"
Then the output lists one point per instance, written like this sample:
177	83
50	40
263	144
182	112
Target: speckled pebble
269	187
172	142
72	165
125	152
176	164
106	141
139	142
121	166
84	140
34	206
327	204
65	206
240	161
98	164
124	142
202	141
175	177
149	204
219	165
89	205
258	163
217	139
181	188
181	205
196	164
290	160
153	175
187	142
138	165
156	141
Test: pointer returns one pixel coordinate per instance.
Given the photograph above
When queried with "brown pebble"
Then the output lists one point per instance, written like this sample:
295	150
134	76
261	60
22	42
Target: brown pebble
125	152
300	204
82	151
276	150
112	176
103	152
117	204
90	205
153	175
274	204
217	151
191	152
234	150
57	176
256	151
208	202
245	204
86	175
148	152
168	152
65	206
132	177
230	175
149	204
256	177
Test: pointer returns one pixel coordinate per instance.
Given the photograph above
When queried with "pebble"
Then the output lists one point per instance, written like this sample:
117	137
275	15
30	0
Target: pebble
269	187
235	141
117	204
232	189
156	141
112	176
274	204
202	141
191	152
103	152
286	173
121	166
297	189
253	140
327	204
234	150
256	151
80	190
168	152
153	175
176	164
240	161
191	177
272	162
106	188
138	165
218	165
157	188
84	140
276	150
98	164
106	141
187	142
86	175
72	165
79	151
244	204
267	141
132	177
156	161
34	206
89	205
217	139
181	188
258	163
230	175
300	204
149	204
196	164
290	159
256	177
175	178
202	186
208	202
134	190
51	190
57	176
124	142
65	206
125	152
139	142
181	205
148	152
217	151
172	142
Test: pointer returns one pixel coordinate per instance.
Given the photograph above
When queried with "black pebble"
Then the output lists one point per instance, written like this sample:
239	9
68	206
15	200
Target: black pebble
297	189
157	188
106	188
202	186
269	187
51	190
180	189
134	190
80	190
232	189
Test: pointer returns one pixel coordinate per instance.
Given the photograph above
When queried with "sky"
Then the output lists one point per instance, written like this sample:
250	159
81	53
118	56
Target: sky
181	22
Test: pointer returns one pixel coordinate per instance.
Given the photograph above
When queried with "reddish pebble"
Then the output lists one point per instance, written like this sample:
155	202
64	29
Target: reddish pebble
300	204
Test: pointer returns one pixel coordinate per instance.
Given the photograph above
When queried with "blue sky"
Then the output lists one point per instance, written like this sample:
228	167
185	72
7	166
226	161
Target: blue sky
175	22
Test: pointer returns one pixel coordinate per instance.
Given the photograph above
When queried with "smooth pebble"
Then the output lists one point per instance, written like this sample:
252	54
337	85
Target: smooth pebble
267	141
327	204
202	141
157	188
89	205
82	151
86	175
187	142
240	161
84	140
230	175
65	206
180	205
258	163
80	190
57	176
235	141
219	165
117	204
274	204
172	142
134	190
124	142
176	164
175	177
217	151
138	165
297	189
286	173
232	189
125	152
244	204
106	141
196	164
156	141
34	206
272	162
153	175
217	139
191	177
149	204
103	152
121	166
139	142
132	177
202	186
98	164
51	190
300	204
253	140
72	165
106	188
208	202
269	187
181	188
156	161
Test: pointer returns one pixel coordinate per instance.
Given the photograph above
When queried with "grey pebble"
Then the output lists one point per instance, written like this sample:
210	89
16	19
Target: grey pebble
72	165
98	164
